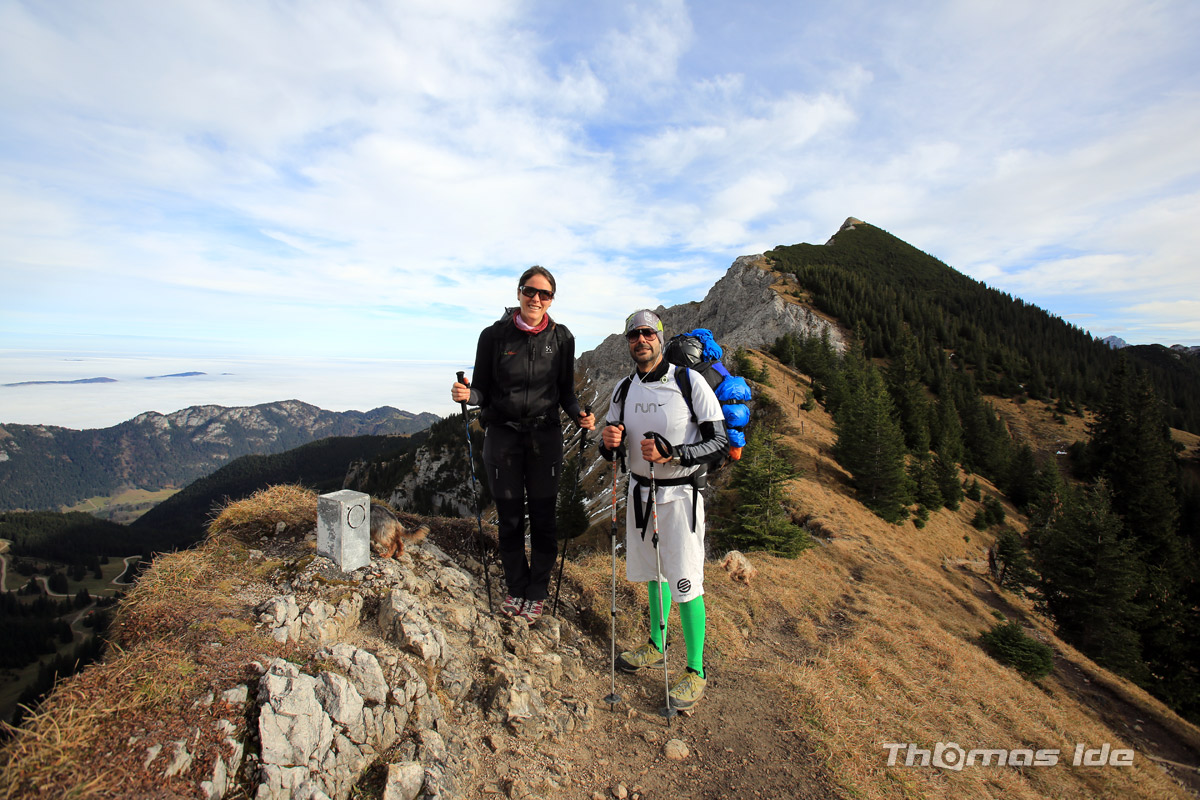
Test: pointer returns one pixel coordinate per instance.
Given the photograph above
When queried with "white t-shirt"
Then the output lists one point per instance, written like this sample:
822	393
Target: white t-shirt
659	406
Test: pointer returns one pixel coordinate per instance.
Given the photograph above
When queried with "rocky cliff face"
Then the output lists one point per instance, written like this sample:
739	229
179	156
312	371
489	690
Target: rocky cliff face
749	307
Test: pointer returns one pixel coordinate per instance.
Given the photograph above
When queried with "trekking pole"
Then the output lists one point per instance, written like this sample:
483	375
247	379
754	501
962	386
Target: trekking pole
613	698
667	711
487	575
566	539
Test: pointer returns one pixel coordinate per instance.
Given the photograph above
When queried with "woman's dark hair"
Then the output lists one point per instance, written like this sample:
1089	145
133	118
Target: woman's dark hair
536	270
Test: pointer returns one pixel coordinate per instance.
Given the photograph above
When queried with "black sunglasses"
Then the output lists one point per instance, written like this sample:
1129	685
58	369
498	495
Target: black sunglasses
545	294
641	333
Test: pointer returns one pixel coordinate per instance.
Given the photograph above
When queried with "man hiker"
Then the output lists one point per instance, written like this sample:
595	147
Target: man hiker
683	438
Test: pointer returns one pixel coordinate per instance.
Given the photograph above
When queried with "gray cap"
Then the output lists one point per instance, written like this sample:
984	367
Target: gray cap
645	319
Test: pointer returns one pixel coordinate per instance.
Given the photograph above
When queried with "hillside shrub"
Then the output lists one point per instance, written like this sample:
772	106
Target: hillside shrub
1008	643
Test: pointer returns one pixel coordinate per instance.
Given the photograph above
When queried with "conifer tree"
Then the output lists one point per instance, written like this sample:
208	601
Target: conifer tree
1090	578
926	490
904	382
1012	570
1022	480
761	521
945	472
945	430
871	445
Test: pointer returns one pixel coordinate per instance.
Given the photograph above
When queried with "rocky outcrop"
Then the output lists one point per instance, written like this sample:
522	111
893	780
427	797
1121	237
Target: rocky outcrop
409	667
437	476
744	309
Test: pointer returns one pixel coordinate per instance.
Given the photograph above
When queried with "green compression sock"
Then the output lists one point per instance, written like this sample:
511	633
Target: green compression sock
691	615
660	602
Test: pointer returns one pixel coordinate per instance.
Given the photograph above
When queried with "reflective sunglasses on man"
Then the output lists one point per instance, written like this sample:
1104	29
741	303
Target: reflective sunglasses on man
545	294
641	333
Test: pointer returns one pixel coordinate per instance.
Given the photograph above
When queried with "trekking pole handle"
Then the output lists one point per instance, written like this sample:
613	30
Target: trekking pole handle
462	378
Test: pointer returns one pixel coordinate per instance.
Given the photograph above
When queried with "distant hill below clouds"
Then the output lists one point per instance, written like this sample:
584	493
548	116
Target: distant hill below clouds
102	380
44	467
61	383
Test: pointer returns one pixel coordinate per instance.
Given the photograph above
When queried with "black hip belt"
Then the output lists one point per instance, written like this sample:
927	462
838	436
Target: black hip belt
641	516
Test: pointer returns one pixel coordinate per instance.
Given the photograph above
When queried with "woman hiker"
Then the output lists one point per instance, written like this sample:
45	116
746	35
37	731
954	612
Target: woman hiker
524	372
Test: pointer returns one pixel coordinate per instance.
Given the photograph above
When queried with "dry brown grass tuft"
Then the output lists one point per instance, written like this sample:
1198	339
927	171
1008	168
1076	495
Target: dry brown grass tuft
93	718
260	513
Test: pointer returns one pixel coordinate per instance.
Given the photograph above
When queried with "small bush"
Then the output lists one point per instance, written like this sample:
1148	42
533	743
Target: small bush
1008	643
995	511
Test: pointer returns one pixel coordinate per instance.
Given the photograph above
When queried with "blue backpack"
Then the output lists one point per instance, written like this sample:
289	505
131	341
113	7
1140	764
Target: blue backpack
698	350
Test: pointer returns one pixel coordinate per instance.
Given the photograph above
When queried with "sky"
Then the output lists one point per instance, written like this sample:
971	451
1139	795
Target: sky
275	185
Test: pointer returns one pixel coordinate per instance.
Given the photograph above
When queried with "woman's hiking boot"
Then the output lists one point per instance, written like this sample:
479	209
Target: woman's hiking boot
532	610
512	606
645	656
687	691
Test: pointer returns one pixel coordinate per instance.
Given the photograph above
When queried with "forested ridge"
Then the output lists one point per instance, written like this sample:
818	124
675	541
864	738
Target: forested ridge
866	277
1111	552
45	467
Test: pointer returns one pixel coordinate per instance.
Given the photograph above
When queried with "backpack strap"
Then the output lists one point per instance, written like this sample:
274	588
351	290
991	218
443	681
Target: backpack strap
619	397
684	380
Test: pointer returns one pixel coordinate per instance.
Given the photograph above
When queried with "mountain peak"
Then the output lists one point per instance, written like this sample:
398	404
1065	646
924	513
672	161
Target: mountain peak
848	225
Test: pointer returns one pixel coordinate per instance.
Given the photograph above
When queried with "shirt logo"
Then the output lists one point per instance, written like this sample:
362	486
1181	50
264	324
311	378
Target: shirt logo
549	349
646	408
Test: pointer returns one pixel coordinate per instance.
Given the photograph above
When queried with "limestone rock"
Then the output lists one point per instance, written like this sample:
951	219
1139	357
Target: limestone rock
363	669
404	781
281	615
342	703
323	623
403	617
676	750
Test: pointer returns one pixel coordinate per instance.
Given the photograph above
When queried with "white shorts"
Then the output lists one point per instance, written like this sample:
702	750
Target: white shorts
681	549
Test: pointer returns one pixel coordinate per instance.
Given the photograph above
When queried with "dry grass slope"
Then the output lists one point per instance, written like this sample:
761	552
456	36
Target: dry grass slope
872	638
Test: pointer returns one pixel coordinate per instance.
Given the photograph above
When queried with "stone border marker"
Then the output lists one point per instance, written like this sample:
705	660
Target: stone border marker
344	529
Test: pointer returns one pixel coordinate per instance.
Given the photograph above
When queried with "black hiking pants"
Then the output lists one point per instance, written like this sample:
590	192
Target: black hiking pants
523	468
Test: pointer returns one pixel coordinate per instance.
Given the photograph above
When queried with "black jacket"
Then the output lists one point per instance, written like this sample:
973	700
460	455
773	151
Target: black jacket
524	378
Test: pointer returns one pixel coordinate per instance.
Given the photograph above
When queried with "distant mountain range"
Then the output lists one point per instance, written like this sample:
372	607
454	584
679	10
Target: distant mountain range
46	467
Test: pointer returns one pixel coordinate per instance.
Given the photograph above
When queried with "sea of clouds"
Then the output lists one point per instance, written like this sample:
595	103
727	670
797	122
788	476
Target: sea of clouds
332	384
